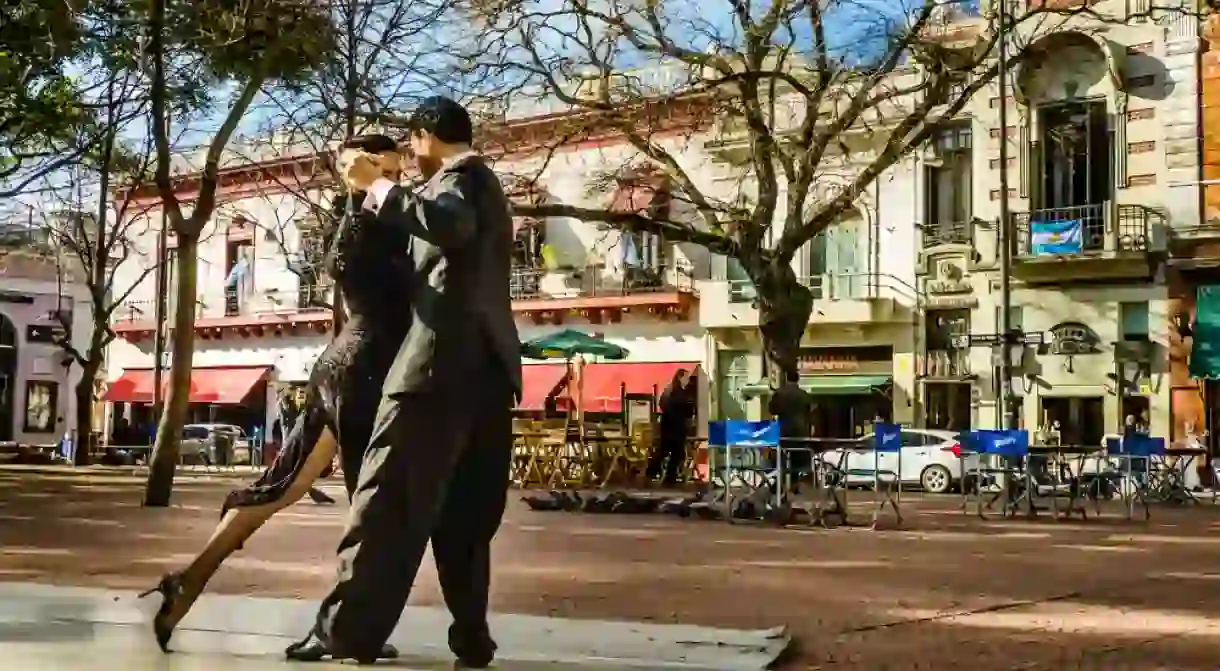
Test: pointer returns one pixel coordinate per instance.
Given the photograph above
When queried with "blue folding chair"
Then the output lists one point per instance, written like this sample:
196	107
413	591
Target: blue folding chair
1008	448
1135	481
750	461
887	482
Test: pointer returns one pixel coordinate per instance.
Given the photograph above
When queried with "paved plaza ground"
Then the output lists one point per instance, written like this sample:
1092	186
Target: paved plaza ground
947	592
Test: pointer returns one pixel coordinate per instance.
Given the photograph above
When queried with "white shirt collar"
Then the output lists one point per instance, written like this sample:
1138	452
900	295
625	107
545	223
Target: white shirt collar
457	159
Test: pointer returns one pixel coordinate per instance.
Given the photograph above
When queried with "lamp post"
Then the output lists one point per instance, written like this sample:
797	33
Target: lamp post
1004	232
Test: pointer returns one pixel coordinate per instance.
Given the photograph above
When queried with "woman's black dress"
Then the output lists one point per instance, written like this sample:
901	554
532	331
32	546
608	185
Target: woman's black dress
371	264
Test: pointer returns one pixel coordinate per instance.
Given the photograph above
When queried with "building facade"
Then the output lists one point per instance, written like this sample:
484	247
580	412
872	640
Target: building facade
263	309
1193	275
37	377
1102	122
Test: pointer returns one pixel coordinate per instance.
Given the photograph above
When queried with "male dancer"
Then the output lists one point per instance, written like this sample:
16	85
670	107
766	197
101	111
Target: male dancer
437	465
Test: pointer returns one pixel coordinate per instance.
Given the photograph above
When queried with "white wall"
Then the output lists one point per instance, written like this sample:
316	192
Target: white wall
43	361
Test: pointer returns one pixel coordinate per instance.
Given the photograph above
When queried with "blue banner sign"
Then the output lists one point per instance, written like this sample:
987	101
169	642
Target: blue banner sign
887	437
1001	442
741	433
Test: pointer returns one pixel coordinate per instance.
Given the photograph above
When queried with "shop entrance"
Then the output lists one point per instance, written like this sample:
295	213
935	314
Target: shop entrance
1082	419
947	405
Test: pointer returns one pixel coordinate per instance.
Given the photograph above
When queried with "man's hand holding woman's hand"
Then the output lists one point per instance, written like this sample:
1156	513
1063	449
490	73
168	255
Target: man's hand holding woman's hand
360	169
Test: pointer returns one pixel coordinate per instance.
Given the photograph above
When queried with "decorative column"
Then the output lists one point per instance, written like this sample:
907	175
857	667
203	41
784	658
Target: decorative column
1120	139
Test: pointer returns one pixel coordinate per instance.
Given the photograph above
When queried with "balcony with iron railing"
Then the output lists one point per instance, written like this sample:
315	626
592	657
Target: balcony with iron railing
537	290
308	298
839	298
943	364
1098	241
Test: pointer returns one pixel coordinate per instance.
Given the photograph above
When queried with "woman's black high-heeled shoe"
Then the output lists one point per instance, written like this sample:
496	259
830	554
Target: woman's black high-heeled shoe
170	588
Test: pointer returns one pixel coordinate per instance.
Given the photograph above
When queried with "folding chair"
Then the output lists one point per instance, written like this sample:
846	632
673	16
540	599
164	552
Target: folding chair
630	455
887	482
1008	448
1136	483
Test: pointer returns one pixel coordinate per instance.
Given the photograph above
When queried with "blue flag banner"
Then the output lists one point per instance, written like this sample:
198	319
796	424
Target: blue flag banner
741	433
1054	238
887	437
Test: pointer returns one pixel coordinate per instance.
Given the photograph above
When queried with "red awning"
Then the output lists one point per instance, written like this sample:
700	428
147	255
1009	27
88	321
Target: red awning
604	382
537	381
229	385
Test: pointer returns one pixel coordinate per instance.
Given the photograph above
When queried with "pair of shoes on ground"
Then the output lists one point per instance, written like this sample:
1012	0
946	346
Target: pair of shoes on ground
474	650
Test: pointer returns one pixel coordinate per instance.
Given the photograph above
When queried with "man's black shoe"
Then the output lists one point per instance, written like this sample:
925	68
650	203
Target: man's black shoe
314	649
474	649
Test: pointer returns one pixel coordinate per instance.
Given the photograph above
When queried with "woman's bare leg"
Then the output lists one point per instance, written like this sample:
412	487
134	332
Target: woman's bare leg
240	523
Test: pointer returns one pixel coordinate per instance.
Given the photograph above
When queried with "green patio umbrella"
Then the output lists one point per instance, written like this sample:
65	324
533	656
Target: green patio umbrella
568	343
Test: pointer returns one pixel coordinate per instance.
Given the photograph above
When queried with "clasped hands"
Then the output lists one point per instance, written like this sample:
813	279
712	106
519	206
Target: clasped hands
359	169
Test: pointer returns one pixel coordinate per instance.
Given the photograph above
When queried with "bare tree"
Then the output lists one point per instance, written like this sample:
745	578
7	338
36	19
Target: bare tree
245	46
390	54
92	241
826	95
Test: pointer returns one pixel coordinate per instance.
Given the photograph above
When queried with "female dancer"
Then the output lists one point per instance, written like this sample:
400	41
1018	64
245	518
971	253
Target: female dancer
371	266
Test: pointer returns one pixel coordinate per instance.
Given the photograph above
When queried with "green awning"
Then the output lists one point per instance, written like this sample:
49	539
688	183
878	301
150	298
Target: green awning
1205	352
828	385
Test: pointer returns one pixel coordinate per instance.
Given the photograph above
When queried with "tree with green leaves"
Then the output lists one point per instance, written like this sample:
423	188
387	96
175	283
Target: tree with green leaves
219	46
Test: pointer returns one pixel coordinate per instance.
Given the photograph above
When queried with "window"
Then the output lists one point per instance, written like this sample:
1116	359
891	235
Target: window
310	268
41	406
833	264
239	274
1134	319
942	325
948	187
1075	164
734	372
1016	318
645	259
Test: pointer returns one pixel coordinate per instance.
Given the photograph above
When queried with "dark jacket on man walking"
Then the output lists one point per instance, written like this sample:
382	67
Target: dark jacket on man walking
436	467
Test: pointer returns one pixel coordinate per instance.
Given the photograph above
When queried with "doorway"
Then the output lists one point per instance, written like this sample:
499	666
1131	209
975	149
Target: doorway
948	405
1082	419
8	376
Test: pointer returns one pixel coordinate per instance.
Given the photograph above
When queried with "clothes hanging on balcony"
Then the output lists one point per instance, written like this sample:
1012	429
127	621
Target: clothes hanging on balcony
237	273
631	255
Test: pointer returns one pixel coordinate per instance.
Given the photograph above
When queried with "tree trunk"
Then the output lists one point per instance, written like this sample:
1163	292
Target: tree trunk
84	414
784	306
169	429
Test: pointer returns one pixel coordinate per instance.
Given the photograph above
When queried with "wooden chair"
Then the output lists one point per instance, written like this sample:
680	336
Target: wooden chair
631	454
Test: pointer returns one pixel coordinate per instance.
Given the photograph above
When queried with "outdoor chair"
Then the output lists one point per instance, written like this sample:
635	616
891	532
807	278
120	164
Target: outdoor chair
630	454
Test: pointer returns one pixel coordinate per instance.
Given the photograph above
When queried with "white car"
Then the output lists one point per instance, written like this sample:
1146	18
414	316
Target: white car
930	459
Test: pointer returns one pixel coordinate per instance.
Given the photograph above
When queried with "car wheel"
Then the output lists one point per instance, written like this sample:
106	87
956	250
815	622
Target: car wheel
936	479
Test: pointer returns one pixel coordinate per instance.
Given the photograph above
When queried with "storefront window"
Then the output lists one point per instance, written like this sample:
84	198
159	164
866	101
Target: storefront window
41	400
734	373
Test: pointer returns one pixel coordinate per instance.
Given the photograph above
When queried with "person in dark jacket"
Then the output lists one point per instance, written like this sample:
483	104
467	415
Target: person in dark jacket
677	409
793	407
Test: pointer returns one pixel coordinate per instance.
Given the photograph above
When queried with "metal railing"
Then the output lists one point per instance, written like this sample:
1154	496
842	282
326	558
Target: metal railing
838	286
1104	227
943	364
306	298
593	281
948	233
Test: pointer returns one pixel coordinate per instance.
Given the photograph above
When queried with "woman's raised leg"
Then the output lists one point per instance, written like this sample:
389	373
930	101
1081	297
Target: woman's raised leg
179	590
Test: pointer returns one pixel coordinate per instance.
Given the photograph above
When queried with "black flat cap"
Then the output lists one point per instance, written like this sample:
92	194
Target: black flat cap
445	118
